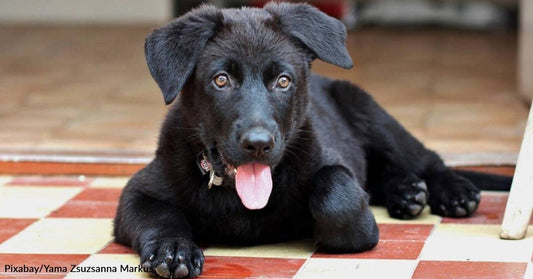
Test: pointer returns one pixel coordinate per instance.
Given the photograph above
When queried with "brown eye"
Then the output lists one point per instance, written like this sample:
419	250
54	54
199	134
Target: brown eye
221	80
284	82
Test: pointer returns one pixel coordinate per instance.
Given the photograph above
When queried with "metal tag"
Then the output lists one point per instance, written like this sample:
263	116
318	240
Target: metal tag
206	167
214	179
203	164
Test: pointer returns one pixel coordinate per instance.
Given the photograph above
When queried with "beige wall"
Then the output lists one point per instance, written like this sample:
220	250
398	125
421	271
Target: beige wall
85	11
526	50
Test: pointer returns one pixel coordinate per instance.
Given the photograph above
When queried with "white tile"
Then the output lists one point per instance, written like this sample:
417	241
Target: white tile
33	202
109	182
5	179
382	216
296	249
529	271
61	236
115	265
356	268
460	242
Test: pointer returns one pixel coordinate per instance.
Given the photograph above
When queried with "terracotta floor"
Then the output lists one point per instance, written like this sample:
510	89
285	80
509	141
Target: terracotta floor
85	91
66	220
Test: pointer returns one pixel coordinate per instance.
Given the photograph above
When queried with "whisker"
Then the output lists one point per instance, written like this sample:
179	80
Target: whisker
303	131
186	128
221	144
292	153
191	137
295	148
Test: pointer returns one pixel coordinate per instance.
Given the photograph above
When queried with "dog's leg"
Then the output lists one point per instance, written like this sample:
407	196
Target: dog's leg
158	231
339	206
402	159
449	193
408	164
427	180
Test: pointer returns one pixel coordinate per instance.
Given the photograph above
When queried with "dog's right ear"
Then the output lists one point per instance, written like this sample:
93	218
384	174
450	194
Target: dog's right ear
172	50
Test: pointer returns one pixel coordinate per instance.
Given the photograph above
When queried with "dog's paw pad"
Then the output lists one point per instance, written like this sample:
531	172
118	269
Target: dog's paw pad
172	258
181	271
407	200
162	270
458	199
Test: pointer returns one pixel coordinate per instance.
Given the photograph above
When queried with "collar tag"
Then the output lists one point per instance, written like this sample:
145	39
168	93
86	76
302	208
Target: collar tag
203	164
206	167
214	180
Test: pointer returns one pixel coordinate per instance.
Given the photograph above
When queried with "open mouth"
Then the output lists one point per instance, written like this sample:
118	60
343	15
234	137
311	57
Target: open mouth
253	180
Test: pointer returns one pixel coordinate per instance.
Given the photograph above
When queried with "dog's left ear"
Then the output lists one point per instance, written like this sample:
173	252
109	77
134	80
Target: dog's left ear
172	50
325	36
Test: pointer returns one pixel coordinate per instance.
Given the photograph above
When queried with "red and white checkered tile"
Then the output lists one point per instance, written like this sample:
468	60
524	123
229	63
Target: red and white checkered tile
48	225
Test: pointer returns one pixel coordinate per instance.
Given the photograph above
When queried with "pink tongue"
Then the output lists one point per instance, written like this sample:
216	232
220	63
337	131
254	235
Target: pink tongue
254	184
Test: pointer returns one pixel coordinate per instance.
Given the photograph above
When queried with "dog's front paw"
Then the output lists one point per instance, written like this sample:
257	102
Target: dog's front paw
407	199
454	197
172	258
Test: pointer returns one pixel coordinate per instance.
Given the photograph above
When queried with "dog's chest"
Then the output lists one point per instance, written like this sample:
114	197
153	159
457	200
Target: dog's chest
277	222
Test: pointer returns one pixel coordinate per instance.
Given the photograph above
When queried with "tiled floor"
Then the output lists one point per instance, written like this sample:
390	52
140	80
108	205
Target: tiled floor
74	228
86	90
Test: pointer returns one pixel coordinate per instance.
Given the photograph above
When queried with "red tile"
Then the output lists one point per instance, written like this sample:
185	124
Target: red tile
404	231
241	267
501	170
50	181
90	203
10	227
38	260
486	270
386	249
86	209
54	168
96	194
115	248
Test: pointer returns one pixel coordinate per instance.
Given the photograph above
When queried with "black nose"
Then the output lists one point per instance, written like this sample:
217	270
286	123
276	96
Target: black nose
257	141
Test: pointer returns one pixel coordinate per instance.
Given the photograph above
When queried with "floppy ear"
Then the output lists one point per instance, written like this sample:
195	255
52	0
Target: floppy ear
325	36
172	50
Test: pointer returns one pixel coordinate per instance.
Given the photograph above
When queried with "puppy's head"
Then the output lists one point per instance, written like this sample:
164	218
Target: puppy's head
243	77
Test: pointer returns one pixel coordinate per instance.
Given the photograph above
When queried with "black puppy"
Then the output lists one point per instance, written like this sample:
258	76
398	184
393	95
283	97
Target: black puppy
258	150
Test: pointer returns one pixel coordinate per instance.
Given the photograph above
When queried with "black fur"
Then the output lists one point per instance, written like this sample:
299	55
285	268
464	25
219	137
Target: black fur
329	142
